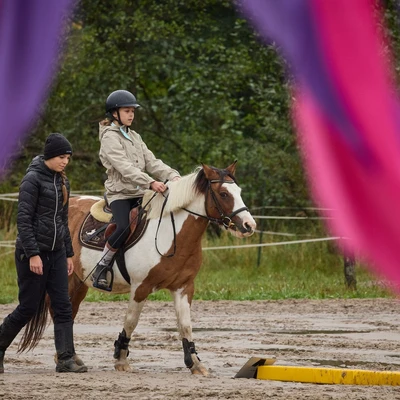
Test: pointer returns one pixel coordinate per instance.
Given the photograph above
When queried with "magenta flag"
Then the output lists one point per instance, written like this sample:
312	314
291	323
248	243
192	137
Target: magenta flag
30	42
347	116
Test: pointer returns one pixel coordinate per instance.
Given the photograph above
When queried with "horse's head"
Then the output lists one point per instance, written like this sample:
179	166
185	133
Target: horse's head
224	203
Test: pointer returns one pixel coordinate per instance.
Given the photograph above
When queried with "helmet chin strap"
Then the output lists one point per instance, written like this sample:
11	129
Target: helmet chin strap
119	118
110	115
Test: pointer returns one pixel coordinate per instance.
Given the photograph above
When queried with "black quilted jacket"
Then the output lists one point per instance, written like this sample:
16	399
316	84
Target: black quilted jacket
42	221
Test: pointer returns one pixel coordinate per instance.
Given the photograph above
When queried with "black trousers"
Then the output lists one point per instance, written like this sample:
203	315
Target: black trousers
32	288
121	210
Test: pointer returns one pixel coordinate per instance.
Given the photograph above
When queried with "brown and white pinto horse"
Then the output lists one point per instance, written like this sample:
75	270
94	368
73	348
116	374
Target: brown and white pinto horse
208	194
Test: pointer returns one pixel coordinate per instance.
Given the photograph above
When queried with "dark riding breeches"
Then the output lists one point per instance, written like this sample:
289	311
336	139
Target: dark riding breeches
121	210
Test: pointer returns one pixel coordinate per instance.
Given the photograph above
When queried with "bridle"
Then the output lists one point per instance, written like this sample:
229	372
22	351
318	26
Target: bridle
224	220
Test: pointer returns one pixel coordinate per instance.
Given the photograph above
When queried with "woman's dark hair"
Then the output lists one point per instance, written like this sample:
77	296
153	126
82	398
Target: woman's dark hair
64	188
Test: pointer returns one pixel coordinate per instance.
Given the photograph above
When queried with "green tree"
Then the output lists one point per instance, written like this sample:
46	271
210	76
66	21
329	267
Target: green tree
210	92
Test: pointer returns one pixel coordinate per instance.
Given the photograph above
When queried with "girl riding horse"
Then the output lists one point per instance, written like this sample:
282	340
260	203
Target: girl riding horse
128	163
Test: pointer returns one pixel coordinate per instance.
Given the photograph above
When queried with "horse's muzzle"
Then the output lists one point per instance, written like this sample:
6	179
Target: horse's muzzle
248	228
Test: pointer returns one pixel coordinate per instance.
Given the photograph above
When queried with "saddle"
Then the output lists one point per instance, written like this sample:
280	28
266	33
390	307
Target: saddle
98	226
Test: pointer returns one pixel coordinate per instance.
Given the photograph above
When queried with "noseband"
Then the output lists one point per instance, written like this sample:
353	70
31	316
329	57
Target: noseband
224	220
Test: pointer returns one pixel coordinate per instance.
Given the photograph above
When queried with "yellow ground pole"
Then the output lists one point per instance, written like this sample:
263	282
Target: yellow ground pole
328	375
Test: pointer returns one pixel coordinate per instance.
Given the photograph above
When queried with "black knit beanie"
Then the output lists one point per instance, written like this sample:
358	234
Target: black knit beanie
56	145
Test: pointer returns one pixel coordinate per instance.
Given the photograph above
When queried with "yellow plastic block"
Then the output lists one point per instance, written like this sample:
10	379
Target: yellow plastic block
328	375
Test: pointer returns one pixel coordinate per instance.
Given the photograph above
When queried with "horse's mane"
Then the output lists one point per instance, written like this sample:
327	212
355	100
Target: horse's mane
180	194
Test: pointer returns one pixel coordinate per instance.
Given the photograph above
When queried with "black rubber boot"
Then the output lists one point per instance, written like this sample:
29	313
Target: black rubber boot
64	342
70	365
8	332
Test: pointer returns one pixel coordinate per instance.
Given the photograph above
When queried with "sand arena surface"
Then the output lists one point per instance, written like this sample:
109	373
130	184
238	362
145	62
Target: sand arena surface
356	334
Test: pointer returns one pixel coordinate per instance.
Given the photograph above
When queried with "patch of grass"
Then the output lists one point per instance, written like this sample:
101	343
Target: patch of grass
309	270
8	277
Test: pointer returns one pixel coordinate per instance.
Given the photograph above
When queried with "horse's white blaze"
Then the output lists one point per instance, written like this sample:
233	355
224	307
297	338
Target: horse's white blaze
246	217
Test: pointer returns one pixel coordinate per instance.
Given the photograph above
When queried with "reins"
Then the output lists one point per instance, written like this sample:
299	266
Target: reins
173	228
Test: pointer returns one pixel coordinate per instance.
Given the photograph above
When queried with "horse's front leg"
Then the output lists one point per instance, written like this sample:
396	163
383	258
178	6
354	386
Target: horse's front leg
182	309
121	345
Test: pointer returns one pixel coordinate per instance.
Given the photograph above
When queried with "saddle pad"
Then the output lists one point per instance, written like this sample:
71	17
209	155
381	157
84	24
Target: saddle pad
88	236
92	233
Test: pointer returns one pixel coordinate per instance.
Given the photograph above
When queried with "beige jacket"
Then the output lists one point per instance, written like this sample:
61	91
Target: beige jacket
129	164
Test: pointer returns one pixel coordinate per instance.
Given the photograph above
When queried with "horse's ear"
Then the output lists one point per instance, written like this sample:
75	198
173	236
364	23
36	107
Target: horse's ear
208	171
232	168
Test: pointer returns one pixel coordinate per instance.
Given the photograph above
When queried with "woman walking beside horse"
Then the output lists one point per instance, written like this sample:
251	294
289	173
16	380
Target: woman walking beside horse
43	256
128	162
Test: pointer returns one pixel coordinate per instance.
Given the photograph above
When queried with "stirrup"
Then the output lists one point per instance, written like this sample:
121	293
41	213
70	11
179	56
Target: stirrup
100	285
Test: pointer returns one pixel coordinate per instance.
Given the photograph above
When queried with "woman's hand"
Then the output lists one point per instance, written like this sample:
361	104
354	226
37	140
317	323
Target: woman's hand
158	187
36	265
70	266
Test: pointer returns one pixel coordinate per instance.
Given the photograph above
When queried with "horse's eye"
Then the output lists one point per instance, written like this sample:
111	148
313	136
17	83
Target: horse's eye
224	195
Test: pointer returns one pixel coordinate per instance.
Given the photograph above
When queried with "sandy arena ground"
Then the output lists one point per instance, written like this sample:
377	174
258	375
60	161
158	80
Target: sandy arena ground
360	334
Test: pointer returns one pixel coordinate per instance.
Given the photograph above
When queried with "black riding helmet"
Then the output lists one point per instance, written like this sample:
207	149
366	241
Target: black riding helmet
118	99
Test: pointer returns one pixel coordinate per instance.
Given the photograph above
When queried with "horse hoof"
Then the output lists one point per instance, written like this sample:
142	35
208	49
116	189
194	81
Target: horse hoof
123	367
199	370
78	360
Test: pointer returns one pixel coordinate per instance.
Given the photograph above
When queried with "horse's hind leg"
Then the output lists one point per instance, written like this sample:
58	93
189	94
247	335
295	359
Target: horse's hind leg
77	292
122	343
182	309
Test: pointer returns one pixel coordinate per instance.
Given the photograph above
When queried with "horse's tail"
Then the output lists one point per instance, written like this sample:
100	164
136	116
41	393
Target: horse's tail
35	327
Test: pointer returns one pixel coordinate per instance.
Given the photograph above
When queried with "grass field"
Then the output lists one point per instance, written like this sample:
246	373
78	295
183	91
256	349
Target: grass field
307	270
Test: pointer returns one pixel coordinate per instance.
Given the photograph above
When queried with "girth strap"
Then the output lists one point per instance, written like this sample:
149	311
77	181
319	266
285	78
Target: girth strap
120	259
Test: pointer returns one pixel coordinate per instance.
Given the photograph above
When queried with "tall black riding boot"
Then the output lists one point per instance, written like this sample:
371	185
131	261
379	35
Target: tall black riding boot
64	341
8	332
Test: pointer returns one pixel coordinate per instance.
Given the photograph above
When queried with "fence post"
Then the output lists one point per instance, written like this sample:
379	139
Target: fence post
350	270
261	227
260	241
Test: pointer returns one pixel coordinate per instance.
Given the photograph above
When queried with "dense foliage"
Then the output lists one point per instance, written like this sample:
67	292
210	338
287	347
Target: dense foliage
210	92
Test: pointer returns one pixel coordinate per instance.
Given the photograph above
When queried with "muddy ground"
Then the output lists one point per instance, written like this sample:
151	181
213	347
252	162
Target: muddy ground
354	334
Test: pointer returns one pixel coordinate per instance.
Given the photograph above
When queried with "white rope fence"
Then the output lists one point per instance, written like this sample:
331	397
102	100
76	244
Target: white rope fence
7	243
14	197
243	246
284	217
11	243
